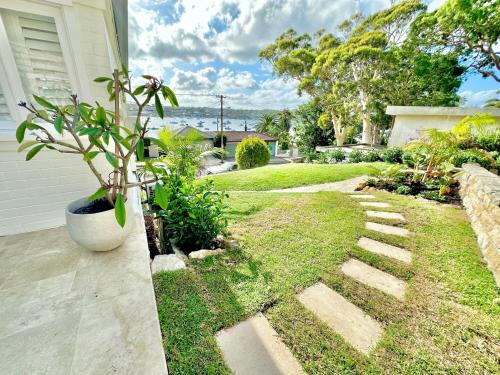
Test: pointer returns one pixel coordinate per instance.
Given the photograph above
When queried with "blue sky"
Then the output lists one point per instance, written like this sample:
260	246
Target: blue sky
211	46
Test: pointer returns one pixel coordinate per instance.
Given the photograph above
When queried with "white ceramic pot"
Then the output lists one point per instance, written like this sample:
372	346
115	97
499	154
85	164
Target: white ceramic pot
99	231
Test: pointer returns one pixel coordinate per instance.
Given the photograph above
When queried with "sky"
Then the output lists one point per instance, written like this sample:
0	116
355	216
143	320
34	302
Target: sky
211	46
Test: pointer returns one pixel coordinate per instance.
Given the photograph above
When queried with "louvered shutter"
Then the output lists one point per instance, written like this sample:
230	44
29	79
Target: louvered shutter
4	109
38	55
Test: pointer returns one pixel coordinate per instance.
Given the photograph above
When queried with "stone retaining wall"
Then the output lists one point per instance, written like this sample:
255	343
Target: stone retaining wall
480	192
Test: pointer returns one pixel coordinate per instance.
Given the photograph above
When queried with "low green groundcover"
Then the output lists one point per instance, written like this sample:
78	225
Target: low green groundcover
449	322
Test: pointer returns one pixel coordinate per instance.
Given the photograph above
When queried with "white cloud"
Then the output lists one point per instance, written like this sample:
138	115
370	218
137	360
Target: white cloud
477	99
203	79
233	31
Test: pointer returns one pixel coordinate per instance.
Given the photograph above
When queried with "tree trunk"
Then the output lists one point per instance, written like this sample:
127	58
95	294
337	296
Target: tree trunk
339	132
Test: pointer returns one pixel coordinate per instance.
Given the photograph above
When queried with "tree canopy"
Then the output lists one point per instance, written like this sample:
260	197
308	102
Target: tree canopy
367	64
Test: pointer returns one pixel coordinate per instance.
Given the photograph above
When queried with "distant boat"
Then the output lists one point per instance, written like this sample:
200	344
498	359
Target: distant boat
174	122
200	123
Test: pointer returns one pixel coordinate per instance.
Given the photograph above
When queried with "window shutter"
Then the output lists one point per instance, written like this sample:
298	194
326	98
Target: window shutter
38	55
4	109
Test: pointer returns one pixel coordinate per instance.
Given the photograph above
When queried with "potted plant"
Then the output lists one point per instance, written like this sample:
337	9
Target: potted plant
98	222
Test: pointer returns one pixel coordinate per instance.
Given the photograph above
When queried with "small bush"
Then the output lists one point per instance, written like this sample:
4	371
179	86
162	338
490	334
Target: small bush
372	182
217	140
194	215
252	152
393	155
310	156
404	190
489	141
337	155
432	195
371	156
355	156
473	156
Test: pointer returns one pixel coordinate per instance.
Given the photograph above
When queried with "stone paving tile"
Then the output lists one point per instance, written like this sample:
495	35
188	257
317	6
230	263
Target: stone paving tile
346	319
363	196
385	215
387	229
253	347
375	204
374	277
381	248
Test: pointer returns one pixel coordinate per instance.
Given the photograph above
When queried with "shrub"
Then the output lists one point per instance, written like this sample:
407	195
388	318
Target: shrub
337	155
217	140
371	156
393	155
310	156
372	182
489	141
252	152
432	195
355	156
473	156
404	189
193	214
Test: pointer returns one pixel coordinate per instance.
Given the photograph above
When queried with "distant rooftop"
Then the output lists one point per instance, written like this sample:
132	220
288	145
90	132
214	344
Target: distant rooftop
237	136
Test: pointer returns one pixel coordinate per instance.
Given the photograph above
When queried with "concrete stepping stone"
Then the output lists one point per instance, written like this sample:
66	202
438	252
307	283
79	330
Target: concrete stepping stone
346	319
375	204
167	262
385	215
387	229
381	248
374	277
253	347
363	196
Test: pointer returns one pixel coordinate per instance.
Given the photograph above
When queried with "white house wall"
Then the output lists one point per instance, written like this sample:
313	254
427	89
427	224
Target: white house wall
33	194
410	122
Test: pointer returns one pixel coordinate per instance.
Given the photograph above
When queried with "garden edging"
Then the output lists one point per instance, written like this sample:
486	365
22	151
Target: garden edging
480	192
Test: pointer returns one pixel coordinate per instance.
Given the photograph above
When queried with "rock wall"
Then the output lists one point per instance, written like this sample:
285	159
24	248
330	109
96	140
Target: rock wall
480	192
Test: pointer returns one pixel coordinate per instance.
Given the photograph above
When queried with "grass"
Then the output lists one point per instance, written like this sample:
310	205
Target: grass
289	175
448	323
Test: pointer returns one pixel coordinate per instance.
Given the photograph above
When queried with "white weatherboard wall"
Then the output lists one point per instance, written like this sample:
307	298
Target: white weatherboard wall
33	194
409	122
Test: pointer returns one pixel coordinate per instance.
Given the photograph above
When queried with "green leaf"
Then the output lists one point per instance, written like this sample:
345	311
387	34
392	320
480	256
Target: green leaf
161	196
169	95
25	145
146	76
111	159
120	212
105	137
112	97
138	90
35	150
101	192
84	112
100	115
58	124
21	129
109	87
159	107
44	103
102	79
140	149
43	114
90	155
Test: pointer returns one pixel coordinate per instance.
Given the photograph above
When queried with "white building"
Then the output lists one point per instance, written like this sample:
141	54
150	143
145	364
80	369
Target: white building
51	48
409	122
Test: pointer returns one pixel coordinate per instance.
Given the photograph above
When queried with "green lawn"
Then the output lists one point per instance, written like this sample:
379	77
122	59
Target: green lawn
289	175
449	322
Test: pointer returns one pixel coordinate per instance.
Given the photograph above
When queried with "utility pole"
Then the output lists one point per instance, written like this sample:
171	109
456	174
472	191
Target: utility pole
246	129
222	127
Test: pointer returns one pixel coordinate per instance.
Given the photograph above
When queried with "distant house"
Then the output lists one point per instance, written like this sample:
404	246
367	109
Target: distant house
233	138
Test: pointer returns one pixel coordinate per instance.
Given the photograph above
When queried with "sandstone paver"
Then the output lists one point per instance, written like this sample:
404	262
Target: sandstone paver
381	248
387	229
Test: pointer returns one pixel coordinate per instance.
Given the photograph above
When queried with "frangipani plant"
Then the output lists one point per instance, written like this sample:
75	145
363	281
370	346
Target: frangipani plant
94	130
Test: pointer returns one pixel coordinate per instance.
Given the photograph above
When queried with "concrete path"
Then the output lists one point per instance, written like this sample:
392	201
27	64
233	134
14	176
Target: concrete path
387	229
385	215
254	348
374	277
346	319
363	196
346	186
381	248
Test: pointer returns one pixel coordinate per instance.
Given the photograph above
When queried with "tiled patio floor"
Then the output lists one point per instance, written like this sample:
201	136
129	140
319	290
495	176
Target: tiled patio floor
65	310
